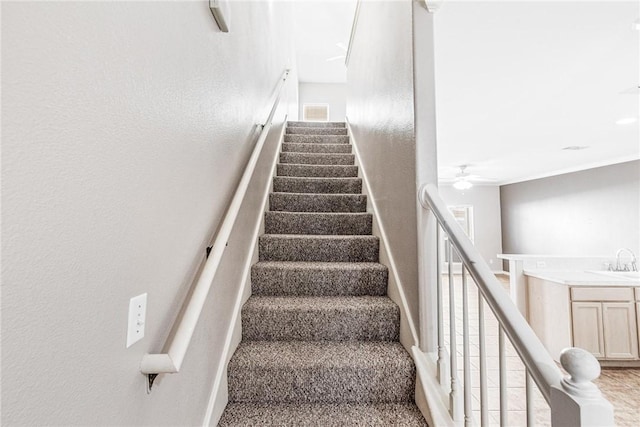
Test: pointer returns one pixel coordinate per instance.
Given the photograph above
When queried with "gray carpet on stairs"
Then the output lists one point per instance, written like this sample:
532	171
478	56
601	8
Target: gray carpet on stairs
301	202
301	147
317	171
320	338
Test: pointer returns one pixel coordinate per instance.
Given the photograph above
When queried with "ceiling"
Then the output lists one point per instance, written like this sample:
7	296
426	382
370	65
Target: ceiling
319	27
516	82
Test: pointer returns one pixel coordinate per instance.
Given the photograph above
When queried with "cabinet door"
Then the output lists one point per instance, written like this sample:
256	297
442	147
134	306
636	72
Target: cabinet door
620	330
588	332
638	317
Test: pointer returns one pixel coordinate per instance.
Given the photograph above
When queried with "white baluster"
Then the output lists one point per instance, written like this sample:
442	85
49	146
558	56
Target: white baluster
529	398
502	363
482	356
468	421
454	400
443	375
578	401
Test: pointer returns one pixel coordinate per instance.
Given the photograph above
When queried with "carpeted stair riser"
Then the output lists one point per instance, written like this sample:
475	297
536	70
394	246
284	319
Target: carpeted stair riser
294	147
314	171
277	318
317	223
317	124
321	371
289	247
289	184
317	139
299	130
283	278
317	158
322	414
301	202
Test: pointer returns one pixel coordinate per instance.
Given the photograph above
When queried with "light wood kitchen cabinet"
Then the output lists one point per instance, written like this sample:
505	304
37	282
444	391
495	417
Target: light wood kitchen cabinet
605	320
588	330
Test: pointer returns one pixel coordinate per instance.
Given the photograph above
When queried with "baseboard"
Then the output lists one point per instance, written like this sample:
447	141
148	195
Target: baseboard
219	397
408	331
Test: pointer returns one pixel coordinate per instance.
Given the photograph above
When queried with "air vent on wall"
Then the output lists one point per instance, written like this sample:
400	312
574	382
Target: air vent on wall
315	112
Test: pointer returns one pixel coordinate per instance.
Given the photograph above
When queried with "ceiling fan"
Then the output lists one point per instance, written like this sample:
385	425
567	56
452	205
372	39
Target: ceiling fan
464	180
335	58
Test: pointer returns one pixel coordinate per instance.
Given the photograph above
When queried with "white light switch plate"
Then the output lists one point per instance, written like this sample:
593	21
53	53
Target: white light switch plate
137	315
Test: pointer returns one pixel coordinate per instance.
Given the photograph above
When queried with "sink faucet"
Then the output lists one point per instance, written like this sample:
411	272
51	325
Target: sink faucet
634	265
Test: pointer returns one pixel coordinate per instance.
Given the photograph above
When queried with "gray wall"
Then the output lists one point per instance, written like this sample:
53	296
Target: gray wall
485	200
334	94
592	212
380	111
126	127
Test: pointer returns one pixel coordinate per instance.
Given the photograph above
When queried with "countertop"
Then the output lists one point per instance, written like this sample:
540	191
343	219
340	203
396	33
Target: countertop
582	278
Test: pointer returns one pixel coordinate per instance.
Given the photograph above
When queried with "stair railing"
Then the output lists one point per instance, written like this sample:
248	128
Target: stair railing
177	345
573	399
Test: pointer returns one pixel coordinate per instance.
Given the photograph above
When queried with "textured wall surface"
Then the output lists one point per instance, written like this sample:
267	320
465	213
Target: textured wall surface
592	212
380	111
485	200
125	129
334	94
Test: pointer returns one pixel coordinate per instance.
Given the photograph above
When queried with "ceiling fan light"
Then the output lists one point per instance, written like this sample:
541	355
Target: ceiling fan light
462	184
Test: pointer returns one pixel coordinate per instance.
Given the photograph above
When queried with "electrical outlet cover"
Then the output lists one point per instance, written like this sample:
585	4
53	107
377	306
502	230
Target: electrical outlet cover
137	318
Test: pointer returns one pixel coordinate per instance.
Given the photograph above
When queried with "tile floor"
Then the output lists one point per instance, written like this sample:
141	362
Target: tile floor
620	386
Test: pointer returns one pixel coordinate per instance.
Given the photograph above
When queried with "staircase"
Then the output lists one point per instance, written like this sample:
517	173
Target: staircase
320	338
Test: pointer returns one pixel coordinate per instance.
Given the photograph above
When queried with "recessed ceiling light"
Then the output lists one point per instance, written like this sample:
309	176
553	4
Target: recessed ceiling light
627	121
575	147
636	25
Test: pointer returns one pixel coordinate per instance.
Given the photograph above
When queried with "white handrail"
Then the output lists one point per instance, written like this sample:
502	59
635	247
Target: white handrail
534	355
171	361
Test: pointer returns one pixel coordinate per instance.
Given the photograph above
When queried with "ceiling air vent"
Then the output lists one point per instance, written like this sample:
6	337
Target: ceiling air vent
315	112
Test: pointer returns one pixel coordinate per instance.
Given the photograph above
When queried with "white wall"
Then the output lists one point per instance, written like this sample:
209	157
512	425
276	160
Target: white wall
587	213
380	112
126	127
334	94
485	200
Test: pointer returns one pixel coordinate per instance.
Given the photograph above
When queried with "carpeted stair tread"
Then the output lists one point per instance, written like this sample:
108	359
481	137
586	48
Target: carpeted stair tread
321	371
317	158
302	130
317	223
317	124
309	202
282	278
295	147
317	139
321	415
361	318
292	184
292	247
320	337
324	171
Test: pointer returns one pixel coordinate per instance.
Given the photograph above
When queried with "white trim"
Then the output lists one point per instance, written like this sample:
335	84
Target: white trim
436	399
583	167
393	269
237	307
354	26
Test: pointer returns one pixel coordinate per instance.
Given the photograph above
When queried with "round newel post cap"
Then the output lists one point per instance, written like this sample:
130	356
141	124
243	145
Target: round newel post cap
582	368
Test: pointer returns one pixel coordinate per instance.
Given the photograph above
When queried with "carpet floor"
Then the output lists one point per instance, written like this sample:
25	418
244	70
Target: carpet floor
320	338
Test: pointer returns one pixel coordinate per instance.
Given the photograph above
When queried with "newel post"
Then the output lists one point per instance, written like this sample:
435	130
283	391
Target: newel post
577	401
